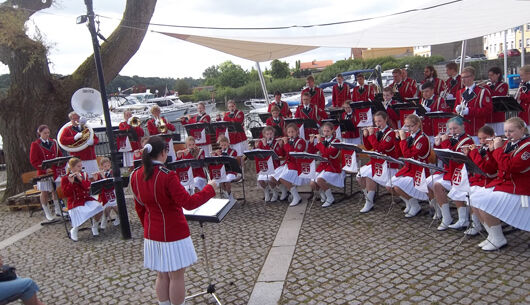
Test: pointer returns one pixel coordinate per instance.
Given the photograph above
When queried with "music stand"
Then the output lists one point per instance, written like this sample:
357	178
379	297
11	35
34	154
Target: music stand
506	104
97	187
264	116
130	133
58	162
214	211
450	102
261	154
257	131
231	164
335	113
180	164
231	126
436	117
308	156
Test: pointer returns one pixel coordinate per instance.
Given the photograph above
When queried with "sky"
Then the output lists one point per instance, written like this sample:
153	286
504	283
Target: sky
163	56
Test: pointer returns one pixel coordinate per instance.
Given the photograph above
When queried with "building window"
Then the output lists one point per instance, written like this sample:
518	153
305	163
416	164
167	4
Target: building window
527	42
511	45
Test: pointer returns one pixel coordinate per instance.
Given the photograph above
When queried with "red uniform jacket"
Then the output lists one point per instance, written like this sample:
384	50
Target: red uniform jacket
296	145
524	101
393	116
134	144
364	93
498	89
238	117
405	89
197	133
284	109
314	114
438	84
280	123
67	138
276	147
197	172
480	108
416	147
159	202
39	153
153	130
385	144
339	95
107	194
350	134
457	146
432	127
514	167
317	97
214	167
413	85
484	159
329	152
78	192
453	85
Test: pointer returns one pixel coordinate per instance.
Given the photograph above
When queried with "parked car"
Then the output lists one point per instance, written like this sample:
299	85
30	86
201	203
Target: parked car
467	59
511	53
479	57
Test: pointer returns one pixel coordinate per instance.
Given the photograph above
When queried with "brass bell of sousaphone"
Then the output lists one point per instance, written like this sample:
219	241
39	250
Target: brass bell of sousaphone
86	102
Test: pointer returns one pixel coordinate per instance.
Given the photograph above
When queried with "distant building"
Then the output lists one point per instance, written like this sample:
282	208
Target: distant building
450	50
494	43
315	65
381	52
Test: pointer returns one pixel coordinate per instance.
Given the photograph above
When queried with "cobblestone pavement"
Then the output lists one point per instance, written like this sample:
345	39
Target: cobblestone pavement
14	222
345	257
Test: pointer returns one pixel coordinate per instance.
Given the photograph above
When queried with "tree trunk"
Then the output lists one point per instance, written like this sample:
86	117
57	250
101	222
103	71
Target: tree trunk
35	96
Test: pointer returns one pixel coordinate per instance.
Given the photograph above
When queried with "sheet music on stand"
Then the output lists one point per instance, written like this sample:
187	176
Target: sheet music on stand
347	146
194	126
264	116
261	154
96	187
231	126
173	136
505	104
377	155
304	155
55	161
422	164
257	131
214	210
193	163
130	133
309	124
447	155
230	163
335	112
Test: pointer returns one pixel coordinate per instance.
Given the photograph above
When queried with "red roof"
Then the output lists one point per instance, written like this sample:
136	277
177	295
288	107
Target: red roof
315	64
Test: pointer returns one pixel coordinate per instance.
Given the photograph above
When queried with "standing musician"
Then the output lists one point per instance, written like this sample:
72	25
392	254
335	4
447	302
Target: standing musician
159	199
453	83
362	92
309	111
340	92
204	142
329	173
193	152
414	144
431	76
497	87
523	93
128	156
285	112
276	120
404	89
42	149
432	103
440	184
159	125
411	81
473	102
81	206
381	139
238	140
266	182
351	137
506	197
316	94
73	133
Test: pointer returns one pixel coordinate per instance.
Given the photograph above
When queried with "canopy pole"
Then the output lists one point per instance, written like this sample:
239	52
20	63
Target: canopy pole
505	53
263	85
462	56
523	45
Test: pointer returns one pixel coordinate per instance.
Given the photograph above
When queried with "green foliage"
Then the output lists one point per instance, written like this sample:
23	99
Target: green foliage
231	75
153	83
279	69
182	86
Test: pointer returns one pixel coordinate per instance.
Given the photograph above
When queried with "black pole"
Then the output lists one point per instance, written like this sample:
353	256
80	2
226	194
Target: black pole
120	198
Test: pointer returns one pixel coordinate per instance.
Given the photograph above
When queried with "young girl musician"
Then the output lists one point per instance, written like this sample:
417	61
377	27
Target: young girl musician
224	183
107	197
350	137
382	140
200	117
159	199
45	148
265	181
276	120
329	173
238	140
194	152
128	155
81	206
506	198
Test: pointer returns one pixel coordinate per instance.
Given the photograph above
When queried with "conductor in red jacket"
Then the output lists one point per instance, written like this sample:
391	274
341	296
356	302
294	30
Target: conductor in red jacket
159	199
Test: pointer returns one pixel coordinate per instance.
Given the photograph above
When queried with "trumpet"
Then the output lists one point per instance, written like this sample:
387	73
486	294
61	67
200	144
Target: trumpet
485	82
162	127
135	121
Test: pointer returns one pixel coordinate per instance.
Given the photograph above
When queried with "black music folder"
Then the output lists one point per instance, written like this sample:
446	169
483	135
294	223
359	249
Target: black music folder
335	113
377	155
304	155
505	104
131	134
306	122
447	155
260	154
205	126
214	210
422	164
439	115
257	131
98	186
59	161
347	146
173	136
264	116
231	126
230	163
193	163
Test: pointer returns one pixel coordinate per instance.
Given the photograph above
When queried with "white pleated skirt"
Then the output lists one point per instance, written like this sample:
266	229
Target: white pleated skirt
169	256
83	213
112	203
278	172
291	176
128	159
504	206
366	172
228	178
457	195
263	177
90	166
406	184
335	179
199	182
438	178
352	140
45	185
240	147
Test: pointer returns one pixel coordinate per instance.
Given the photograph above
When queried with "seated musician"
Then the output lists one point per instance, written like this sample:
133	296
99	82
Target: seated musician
288	175
308	111
340	92
412	82
81	206
138	153
454	83
388	99
73	133
362	92
432	103
404	89
128	156
265	181
414	144
523	93
158	125
431	76
194	152
316	94
276	120
473	103
506	197
440	183
202	138
238	140
351	137
496	87
224	183
381	139
482	156
328	173
285	112
107	197
42	149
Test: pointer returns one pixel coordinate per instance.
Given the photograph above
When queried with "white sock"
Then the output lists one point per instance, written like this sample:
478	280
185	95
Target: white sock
164	302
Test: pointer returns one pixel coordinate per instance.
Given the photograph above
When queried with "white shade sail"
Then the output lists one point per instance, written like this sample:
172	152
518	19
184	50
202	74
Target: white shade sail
432	23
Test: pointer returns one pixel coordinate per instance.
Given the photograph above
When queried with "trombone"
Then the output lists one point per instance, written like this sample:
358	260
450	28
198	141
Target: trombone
135	121
162	127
